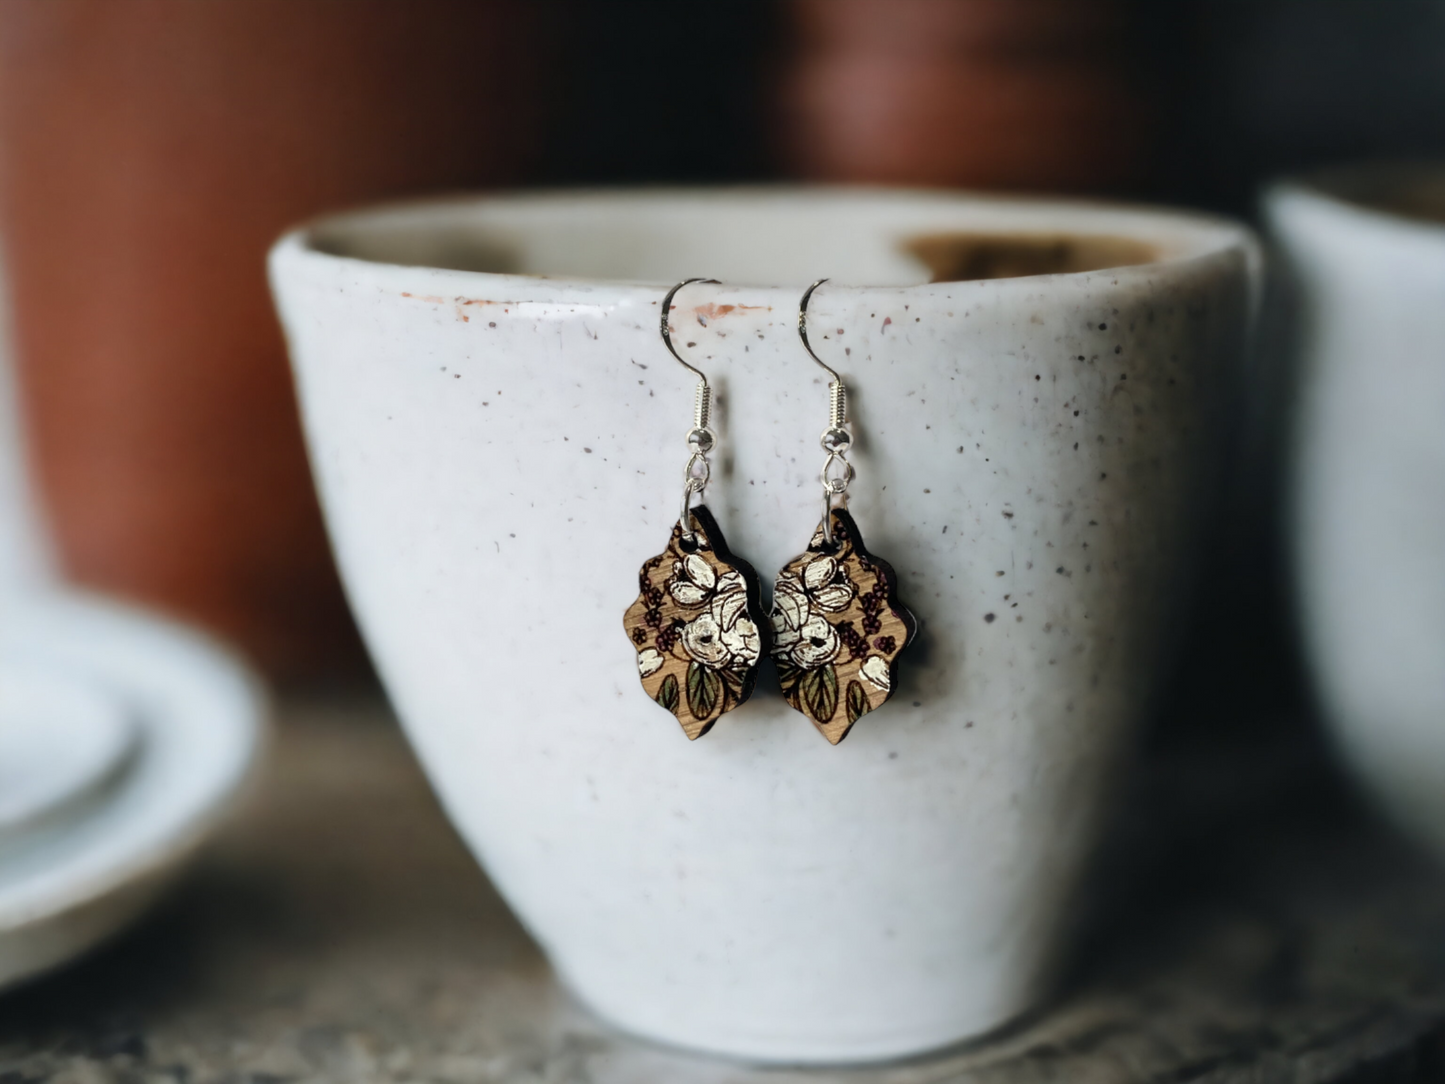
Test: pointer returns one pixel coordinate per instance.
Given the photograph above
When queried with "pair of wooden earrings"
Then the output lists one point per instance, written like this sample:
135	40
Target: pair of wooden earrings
698	625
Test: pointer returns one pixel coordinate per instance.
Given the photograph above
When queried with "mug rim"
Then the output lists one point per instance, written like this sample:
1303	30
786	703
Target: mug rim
1345	190
1178	237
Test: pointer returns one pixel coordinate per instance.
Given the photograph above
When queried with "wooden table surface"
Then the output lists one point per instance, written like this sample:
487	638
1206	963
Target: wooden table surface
1251	924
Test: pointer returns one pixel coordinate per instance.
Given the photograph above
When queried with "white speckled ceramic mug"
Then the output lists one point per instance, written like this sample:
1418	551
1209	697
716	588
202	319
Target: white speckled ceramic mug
1367	249
498	451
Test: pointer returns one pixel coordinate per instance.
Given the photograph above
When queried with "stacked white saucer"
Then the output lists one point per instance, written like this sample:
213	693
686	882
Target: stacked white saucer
123	738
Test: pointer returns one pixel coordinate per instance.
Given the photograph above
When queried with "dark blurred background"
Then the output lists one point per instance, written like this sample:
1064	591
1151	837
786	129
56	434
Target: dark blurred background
150	151
1191	102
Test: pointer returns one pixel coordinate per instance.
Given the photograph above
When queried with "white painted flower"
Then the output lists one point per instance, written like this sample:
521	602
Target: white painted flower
702	639
729	599
875	671
743	641
827	586
649	661
790	612
784	638
821	588
801	634
692	582
723	635
817	644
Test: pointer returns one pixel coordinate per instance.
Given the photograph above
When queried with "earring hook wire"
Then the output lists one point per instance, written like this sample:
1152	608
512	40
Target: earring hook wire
667	326
700	439
836	439
803	331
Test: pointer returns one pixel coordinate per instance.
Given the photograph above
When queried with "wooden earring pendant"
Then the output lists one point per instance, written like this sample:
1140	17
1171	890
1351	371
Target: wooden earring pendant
697	626
838	626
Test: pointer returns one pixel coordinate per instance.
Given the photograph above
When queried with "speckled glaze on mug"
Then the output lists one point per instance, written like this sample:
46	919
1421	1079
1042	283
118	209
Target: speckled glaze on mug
498	450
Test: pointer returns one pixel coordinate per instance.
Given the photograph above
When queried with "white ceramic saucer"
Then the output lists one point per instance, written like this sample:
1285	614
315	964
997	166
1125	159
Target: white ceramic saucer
171	724
61	744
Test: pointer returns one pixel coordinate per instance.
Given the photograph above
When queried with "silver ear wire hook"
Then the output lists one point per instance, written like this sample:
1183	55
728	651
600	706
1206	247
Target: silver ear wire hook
836	439
803	330
667	326
837	392
701	438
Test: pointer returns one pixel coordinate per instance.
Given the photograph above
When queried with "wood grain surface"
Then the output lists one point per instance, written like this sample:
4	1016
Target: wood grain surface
838	629
697	626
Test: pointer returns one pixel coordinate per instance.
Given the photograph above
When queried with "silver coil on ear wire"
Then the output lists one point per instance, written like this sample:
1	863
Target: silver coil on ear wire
702	406
837	405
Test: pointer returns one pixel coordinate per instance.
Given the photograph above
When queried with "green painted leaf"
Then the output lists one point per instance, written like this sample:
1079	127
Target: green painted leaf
704	688
857	701
819	691
667	695
788	675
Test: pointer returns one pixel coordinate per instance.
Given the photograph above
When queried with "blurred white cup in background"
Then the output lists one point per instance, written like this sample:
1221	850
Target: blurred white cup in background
1366	252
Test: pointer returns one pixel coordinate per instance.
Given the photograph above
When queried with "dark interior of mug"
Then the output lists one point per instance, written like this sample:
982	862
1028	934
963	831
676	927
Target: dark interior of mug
779	237
1420	197
961	257
1410	191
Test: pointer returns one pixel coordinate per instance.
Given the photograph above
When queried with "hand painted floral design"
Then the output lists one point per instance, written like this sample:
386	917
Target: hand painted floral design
649	661
693	580
696	627
812	644
875	671
826	607
723	635
745	643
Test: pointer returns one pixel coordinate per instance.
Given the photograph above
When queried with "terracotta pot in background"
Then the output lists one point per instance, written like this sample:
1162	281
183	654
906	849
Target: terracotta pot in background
149	153
979	93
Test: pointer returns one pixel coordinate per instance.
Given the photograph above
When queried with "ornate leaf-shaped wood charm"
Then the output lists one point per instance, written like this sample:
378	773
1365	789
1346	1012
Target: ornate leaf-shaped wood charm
838	627
698	626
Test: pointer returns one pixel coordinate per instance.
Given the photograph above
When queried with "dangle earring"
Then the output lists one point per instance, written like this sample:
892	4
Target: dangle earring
698	626
837	624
